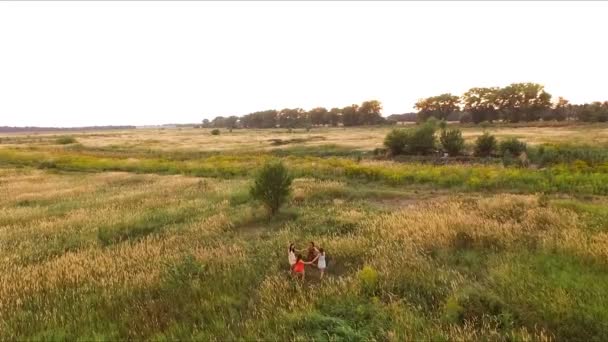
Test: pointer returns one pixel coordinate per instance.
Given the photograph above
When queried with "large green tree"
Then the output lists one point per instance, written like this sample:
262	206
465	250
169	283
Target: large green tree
523	102
350	115
334	116
369	113
319	116
481	104
291	118
437	106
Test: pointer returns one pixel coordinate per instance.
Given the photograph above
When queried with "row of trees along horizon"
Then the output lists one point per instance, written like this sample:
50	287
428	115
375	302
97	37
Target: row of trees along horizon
517	102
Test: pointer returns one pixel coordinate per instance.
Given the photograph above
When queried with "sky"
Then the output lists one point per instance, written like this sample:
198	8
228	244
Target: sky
66	64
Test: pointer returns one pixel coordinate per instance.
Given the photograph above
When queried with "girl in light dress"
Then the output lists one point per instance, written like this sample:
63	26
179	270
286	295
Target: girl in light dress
291	255
321	262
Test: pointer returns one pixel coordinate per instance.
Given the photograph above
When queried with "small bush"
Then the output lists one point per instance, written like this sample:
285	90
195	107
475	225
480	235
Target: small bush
419	140
485	145
452	141
422	140
368	278
65	140
47	164
396	141
215	131
272	186
473	304
512	147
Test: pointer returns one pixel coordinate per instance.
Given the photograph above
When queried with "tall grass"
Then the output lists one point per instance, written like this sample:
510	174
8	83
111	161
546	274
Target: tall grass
188	258
574	178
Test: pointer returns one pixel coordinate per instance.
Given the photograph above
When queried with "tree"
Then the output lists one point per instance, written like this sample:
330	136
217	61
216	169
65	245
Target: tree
397	140
319	116
485	145
272	186
334	116
369	113
223	122
292	118
452	141
466	118
593	112
350	115
263	119
522	102
481	103
437	106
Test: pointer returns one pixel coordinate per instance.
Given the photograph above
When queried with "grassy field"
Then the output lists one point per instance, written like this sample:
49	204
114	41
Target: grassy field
150	234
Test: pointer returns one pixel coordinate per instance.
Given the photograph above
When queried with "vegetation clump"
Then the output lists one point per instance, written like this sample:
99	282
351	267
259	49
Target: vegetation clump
272	186
512	147
65	140
485	145
417	141
452	142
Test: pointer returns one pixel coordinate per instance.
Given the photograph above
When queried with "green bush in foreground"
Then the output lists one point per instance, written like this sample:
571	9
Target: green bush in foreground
485	145
215	131
452	141
272	186
396	141
419	140
512	147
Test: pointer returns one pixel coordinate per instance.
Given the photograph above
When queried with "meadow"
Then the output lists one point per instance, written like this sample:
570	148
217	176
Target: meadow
151	234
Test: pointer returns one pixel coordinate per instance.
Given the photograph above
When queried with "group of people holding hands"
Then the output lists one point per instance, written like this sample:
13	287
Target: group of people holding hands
315	256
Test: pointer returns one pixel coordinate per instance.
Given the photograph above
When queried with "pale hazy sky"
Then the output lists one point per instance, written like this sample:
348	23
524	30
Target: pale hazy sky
97	63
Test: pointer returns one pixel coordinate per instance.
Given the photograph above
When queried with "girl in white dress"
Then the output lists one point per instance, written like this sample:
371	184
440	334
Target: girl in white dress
291	255
321	263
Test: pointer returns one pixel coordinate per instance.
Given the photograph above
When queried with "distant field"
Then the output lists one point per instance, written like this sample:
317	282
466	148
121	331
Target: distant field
248	139
151	234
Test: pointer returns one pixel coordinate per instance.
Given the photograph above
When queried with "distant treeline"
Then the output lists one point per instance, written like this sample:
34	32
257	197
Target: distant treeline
368	113
514	103
517	102
7	129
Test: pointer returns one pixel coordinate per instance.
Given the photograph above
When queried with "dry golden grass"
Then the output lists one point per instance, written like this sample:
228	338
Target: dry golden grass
145	256
364	138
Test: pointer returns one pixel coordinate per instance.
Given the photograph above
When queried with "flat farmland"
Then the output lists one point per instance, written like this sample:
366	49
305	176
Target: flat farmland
152	234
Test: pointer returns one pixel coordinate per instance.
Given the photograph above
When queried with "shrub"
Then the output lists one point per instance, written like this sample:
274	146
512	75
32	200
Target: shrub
215	131
485	145
452	141
512	147
65	140
422	140
472	304
272	186
419	140
47	164
396	141
368	277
